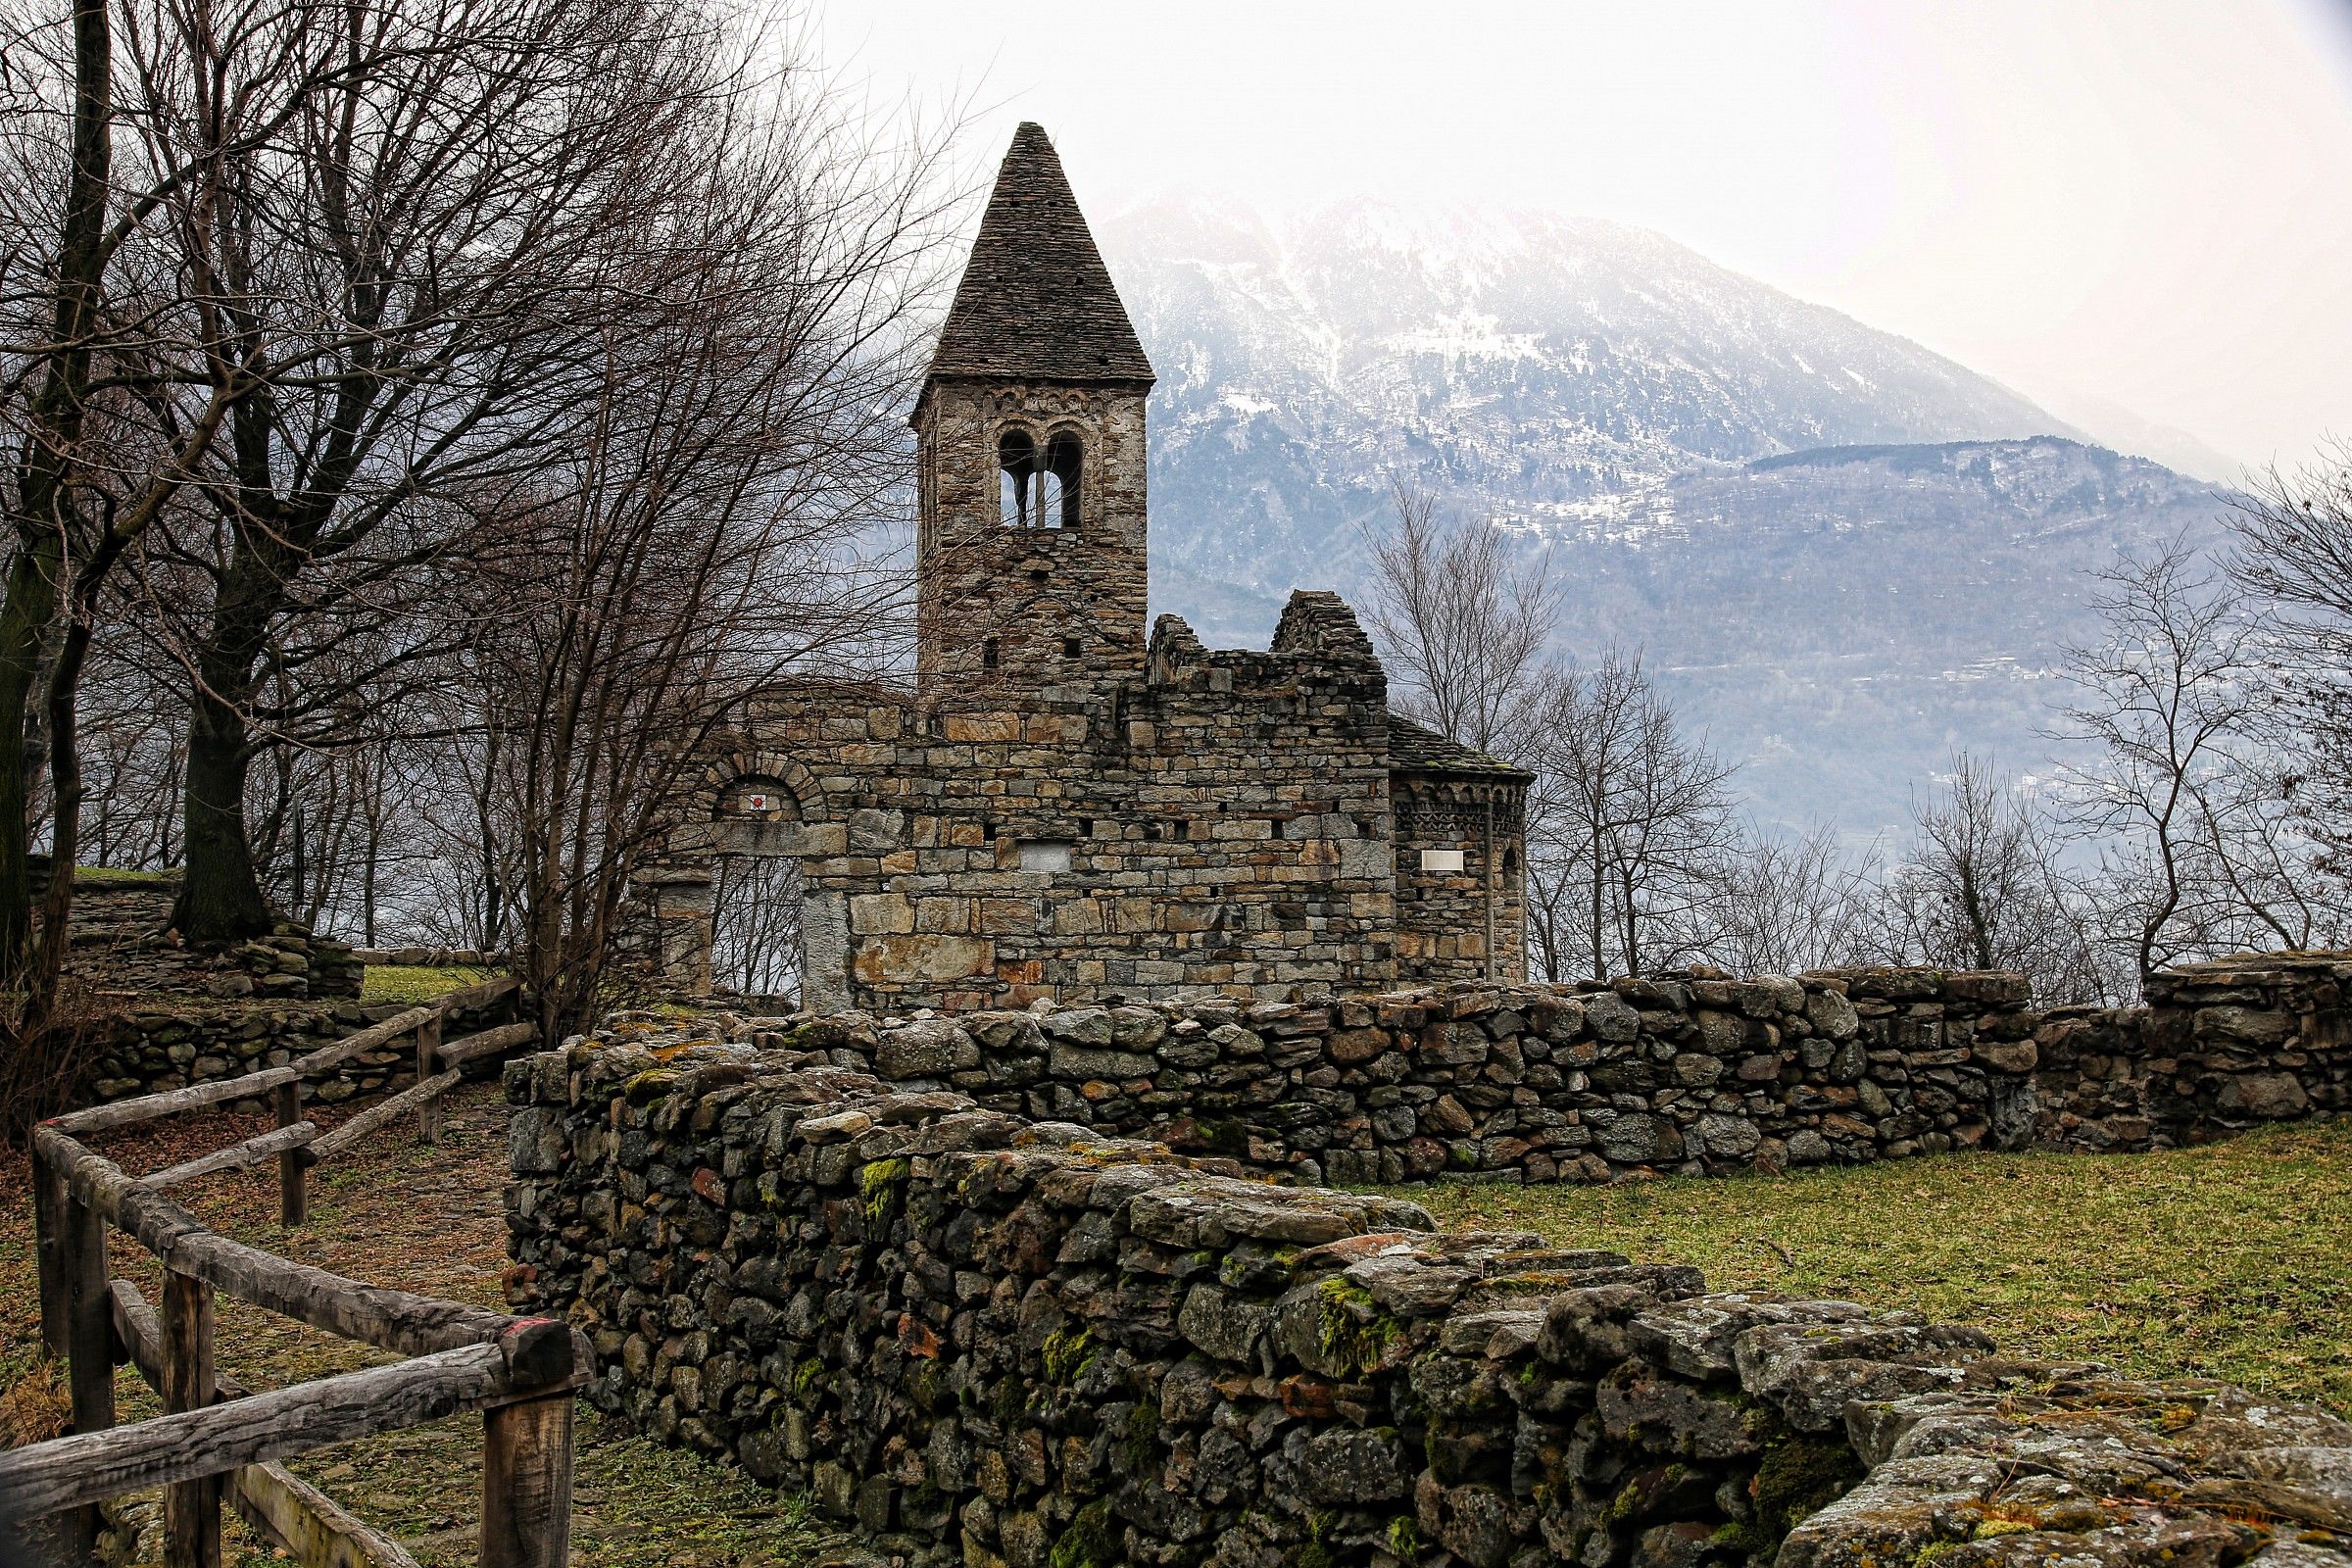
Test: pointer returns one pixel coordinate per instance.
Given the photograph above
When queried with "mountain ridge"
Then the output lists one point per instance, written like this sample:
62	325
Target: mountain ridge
1846	553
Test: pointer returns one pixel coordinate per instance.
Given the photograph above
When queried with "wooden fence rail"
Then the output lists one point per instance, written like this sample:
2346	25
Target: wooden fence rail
218	1445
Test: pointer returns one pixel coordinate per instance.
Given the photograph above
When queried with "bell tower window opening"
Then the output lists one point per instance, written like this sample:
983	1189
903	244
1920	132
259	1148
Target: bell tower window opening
1059	504
1018	480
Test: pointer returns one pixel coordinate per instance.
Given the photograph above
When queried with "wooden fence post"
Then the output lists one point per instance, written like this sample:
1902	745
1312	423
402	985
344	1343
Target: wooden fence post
428	1064
293	1193
191	1508
50	1247
526	1484
90	1345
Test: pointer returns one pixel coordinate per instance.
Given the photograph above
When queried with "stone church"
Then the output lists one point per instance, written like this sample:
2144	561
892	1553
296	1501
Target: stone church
1064	807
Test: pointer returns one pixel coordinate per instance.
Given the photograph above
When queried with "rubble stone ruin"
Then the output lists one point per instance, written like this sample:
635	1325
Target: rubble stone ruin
1063	808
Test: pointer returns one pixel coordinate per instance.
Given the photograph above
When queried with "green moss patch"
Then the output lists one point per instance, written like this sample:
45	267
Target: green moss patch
1354	1334
1090	1542
414	983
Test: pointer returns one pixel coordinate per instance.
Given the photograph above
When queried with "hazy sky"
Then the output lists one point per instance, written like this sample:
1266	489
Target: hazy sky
2147	202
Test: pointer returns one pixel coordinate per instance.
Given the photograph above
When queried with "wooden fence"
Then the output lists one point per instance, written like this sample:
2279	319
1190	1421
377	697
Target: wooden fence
219	1443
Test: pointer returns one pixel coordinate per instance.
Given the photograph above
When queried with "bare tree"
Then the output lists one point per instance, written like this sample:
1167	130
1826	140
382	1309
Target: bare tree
425	237
1462	621
1783	906
137	315
2293	554
2180	790
710	532
1628	824
1980	887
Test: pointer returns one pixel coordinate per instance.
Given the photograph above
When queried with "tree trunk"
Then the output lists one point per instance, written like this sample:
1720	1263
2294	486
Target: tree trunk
1596	888
43	477
219	897
64	769
24	617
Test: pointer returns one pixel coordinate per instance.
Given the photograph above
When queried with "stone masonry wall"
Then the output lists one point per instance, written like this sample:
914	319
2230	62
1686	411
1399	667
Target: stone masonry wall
1224	825
120	943
1039	606
1575	1083
1442	925
1691	1074
171	1016
2218	1047
162	1041
1017	1345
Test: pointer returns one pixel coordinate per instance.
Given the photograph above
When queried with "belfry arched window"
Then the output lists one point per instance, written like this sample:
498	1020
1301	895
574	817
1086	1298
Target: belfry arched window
1038	490
1017	478
1062	461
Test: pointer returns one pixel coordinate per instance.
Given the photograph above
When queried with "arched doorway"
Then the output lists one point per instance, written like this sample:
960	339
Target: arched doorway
758	934
748	896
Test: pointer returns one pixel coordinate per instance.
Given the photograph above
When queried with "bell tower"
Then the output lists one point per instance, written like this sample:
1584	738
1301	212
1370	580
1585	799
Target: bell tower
1029	538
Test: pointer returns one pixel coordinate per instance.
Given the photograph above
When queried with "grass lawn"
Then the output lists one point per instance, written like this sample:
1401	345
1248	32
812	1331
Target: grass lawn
117	876
430	1220
416	982
2232	1260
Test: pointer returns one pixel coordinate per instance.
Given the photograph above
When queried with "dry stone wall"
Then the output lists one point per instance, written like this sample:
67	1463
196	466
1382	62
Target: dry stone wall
120	945
1691	1073
1014	1344
171	1016
1543	1083
169	1043
2217	1047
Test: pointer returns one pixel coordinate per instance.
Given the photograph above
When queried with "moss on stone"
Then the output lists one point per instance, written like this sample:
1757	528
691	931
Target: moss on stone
1750	1540
1088	1542
1067	1352
1315	1551
1630	1498
1354	1334
1797	1478
1228	1138
1143	1436
922	1385
649	1086
1404	1538
879	1186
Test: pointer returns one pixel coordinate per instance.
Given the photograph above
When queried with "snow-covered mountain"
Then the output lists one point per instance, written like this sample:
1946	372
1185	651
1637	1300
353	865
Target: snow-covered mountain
1841	619
1847	553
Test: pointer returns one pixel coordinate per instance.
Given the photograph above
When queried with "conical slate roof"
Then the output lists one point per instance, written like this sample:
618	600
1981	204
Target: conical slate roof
1036	302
